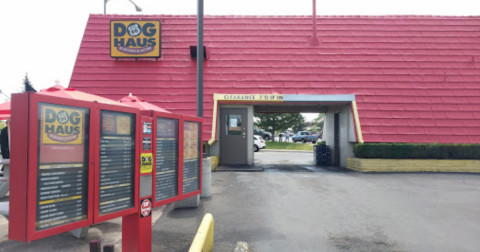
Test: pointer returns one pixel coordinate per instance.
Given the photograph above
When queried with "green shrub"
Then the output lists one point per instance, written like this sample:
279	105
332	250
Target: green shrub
417	151
321	143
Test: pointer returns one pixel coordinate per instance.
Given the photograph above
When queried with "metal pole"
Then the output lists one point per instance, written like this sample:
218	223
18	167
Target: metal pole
314	39
315	17
105	7
199	58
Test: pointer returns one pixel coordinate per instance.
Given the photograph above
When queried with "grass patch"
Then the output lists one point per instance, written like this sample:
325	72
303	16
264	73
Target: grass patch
289	146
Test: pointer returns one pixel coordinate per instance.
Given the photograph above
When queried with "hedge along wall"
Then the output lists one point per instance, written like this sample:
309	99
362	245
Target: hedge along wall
417	151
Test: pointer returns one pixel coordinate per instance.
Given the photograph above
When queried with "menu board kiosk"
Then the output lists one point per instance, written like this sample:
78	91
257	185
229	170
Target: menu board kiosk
52	159
77	163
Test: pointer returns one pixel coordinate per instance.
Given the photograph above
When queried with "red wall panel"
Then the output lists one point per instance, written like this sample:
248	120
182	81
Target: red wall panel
412	75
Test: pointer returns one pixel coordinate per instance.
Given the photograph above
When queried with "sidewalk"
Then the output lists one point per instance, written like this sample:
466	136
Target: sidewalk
277	150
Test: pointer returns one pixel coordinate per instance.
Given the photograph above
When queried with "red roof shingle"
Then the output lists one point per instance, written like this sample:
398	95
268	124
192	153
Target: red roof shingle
416	78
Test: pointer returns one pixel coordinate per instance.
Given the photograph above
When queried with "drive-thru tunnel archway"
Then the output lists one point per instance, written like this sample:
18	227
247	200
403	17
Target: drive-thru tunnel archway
232	138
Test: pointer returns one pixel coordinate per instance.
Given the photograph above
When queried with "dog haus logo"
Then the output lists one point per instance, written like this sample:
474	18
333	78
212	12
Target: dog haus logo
135	39
62	125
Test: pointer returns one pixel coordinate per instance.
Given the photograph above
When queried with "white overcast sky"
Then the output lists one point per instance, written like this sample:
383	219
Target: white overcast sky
42	37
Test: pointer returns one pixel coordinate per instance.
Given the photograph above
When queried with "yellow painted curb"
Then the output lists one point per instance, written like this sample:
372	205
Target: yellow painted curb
203	240
214	160
413	165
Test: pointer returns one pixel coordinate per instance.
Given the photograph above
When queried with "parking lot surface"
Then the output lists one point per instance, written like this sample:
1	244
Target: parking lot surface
307	208
296	206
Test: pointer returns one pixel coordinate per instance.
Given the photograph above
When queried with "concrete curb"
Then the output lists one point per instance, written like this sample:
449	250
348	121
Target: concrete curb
236	169
413	165
157	213
203	241
214	160
193	201
275	150
206	178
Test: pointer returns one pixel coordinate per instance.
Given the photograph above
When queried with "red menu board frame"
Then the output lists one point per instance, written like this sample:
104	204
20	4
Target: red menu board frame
23	187
113	108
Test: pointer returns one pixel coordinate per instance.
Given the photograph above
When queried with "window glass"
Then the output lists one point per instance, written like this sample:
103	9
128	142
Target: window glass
191	156
234	125
62	172
167	159
117	161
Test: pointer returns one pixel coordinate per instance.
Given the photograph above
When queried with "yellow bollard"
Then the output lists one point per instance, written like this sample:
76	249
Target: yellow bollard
203	241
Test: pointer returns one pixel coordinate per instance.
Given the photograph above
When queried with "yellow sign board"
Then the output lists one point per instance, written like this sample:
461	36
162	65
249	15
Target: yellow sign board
190	141
250	97
123	125
146	164
135	39
62	125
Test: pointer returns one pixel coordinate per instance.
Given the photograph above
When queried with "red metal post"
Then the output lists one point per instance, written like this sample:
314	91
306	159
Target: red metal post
137	227
137	233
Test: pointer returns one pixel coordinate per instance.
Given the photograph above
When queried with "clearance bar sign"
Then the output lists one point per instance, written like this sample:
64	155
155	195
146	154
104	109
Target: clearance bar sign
135	39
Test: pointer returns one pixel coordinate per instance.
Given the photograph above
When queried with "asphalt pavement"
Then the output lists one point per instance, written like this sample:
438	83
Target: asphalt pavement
307	208
296	206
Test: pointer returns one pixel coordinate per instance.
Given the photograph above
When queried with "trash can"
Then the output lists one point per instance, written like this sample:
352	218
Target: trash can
322	155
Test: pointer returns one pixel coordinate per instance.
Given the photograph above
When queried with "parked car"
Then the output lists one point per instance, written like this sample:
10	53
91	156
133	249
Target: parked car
304	136
259	143
267	136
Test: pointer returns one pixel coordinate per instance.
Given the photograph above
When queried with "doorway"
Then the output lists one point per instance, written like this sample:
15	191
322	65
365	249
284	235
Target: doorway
336	136
234	134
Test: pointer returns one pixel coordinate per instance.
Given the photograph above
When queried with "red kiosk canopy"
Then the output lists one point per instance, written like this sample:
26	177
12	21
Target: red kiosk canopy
140	103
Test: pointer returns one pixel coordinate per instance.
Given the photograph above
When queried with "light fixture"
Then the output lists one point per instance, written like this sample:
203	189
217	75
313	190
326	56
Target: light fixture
137	8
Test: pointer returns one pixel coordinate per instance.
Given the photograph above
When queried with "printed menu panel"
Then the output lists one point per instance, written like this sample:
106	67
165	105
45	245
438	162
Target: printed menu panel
62	173
167	159
117	161
191	157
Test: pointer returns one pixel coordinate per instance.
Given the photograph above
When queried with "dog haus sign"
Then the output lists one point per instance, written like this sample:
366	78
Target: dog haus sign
135	39
78	163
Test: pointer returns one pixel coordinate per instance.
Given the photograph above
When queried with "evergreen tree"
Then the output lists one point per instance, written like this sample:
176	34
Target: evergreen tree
27	85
